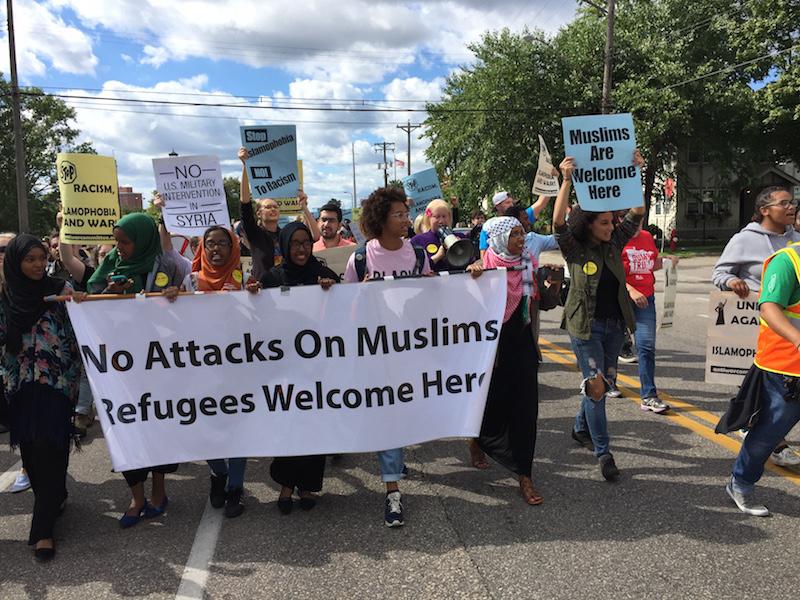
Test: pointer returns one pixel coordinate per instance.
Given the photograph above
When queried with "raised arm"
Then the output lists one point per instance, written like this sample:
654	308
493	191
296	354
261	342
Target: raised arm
163	234
567	166
540	205
71	262
308	218
244	185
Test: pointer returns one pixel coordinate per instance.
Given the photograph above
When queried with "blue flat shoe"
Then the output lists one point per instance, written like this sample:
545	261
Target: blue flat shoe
126	520
151	512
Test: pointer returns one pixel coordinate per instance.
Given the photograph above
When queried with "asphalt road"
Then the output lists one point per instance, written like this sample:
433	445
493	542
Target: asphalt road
666	529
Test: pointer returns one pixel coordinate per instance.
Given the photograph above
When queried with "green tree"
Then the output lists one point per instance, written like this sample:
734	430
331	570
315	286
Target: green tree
232	187
519	77
47	130
664	52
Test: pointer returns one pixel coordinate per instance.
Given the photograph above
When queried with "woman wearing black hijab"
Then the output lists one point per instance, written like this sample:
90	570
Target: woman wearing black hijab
299	267
41	363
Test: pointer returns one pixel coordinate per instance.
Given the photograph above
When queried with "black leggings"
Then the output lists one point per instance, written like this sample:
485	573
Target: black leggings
46	464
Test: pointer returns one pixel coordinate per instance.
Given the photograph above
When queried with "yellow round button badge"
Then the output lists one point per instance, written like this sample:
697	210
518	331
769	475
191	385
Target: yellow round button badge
161	279
237	276
590	268
432	248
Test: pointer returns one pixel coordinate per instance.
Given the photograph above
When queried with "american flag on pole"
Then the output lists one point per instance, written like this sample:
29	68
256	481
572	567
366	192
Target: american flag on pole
399	162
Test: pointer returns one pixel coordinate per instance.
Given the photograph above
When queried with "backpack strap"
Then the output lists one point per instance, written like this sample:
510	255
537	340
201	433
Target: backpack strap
420	262
360	261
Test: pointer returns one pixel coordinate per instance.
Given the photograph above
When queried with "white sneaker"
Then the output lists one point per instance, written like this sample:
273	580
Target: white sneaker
785	458
613	391
655	404
21	483
746	503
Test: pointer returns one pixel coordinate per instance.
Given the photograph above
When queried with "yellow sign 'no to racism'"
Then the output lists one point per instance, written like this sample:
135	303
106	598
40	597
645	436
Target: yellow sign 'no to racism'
87	184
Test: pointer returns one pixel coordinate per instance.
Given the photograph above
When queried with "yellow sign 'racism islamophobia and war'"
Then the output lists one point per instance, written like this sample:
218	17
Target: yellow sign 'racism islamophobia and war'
87	184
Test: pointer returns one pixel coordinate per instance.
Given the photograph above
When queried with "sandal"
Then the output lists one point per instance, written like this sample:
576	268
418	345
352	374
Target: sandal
477	456
529	493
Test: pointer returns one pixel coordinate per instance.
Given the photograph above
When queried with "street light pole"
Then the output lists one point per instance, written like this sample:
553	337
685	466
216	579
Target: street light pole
19	143
607	66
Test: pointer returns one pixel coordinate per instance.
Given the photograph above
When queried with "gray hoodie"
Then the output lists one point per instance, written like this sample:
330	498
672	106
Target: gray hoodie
745	253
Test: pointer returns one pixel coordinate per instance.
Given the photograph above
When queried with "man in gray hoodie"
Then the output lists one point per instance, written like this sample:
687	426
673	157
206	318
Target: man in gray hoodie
739	267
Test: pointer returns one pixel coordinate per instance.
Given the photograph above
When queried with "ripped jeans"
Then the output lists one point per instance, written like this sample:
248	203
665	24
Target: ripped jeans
597	354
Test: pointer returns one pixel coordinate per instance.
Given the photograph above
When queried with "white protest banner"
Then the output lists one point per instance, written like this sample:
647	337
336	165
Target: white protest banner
603	146
272	160
357	368
732	337
670	293
336	258
193	194
545	183
421	188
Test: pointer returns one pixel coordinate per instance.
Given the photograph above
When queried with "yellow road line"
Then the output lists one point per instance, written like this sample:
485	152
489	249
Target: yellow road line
565	357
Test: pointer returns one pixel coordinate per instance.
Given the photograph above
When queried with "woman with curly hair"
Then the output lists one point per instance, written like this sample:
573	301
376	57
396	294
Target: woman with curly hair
385	222
597	309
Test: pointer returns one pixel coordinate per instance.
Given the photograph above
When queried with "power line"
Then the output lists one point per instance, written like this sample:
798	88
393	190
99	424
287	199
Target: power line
170	114
732	67
232	94
289	108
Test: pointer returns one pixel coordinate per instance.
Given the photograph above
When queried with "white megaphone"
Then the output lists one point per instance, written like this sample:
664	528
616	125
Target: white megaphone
459	251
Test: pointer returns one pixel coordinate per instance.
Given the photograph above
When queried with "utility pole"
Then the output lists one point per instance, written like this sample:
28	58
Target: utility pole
408	128
19	143
385	146
607	78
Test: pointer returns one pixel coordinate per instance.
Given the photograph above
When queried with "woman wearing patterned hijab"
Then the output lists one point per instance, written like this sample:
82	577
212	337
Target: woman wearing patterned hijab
41	366
508	432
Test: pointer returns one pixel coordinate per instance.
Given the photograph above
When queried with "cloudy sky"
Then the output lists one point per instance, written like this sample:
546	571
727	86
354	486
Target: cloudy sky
268	62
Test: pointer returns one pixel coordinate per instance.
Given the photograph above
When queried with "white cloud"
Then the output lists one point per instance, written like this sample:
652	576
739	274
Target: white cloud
126	58
355	41
154	56
44	40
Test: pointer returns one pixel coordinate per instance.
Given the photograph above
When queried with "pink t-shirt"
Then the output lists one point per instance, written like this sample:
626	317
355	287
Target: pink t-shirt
384	263
319	245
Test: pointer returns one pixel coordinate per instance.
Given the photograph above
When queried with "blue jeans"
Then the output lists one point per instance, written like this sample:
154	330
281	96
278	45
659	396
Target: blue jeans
776	419
645	337
234	469
599	353
392	464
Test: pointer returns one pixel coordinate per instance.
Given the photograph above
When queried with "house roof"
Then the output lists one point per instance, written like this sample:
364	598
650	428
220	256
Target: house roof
777	170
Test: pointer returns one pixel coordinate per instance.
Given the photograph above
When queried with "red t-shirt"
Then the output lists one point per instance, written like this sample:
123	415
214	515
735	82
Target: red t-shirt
639	257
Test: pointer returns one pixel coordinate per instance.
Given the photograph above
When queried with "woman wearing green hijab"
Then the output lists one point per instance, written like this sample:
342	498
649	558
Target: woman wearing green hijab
139	257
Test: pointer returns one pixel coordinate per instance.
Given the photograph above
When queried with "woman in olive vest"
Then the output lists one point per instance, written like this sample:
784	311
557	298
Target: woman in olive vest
597	310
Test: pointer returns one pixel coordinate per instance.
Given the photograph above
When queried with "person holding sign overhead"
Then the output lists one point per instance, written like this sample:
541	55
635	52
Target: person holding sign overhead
299	268
41	364
138	264
597	309
263	235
